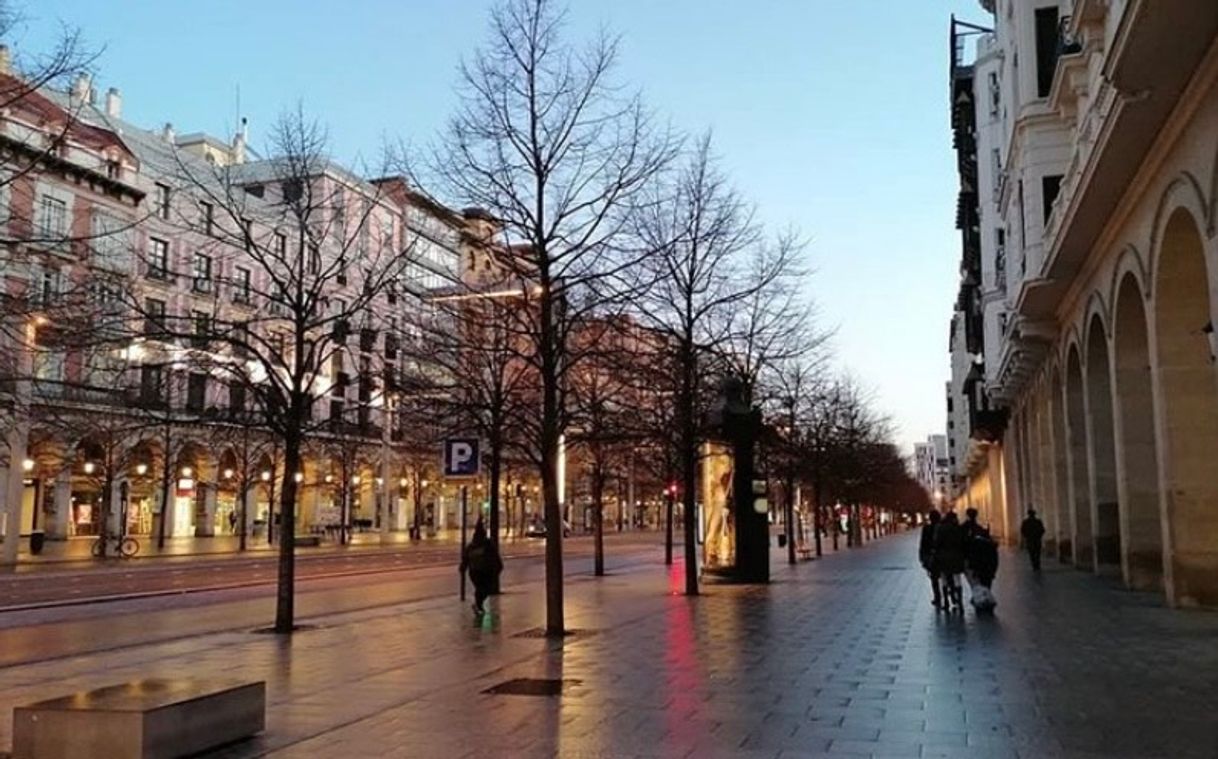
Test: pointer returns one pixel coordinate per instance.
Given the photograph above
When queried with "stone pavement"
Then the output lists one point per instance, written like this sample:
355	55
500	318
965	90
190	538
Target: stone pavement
842	657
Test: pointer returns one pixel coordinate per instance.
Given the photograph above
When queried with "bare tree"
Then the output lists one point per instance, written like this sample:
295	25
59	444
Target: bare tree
791	392
306	257
544	140
706	263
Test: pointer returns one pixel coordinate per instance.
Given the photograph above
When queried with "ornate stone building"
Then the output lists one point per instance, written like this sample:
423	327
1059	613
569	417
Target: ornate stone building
1095	285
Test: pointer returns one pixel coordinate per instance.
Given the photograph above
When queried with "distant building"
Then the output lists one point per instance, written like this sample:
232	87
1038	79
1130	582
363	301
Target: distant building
932	466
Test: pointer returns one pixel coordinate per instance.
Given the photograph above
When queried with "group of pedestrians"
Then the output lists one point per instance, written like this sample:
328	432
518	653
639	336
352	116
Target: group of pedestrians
950	549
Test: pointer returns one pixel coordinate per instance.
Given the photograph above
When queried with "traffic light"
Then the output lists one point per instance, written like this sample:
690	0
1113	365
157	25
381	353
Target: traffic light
671	490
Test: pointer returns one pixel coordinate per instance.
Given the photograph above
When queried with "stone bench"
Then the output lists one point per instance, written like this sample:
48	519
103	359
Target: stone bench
308	541
143	719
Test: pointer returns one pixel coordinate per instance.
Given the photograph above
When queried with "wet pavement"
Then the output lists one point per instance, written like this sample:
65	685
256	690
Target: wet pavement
840	657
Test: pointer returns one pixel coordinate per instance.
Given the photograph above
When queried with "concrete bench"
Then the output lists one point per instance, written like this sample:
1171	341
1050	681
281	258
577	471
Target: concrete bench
143	719
308	541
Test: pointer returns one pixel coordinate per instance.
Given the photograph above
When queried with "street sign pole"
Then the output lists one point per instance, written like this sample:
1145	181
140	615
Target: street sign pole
464	502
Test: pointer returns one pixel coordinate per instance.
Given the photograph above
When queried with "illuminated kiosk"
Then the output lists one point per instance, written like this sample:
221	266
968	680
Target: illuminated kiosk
735	524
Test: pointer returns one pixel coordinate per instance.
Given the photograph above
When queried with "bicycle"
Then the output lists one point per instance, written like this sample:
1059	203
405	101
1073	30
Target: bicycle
123	548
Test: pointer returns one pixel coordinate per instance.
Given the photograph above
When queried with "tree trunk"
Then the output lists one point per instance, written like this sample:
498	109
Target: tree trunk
598	525
550	431
789	487
689	464
166	477
496	465
817	521
245	512
668	507
285	600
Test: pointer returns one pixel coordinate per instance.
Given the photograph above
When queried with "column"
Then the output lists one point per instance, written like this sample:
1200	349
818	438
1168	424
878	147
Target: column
59	519
207	528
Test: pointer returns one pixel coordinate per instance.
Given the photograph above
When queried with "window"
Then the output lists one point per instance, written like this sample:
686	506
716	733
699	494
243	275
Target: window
281	245
341	278
1046	49
391	291
201	271
236	397
53	218
996	169
209	218
1049	188
202	329
367	340
314	260
46	287
1000	258
240	339
162	201
114	169
196	392
108	237
242	285
292	190
995	94
152	384
158	258
336	412
154	317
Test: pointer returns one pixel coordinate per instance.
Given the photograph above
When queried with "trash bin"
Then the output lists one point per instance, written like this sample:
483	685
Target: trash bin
782	540
37	540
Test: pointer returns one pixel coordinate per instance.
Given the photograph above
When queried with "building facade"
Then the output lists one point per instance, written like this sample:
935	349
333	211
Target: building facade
1093	390
128	254
932	467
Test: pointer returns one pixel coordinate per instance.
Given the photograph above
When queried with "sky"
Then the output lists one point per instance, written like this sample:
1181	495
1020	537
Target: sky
830	115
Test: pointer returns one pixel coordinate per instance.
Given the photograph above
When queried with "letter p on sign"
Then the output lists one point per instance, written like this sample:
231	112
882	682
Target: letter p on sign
461	457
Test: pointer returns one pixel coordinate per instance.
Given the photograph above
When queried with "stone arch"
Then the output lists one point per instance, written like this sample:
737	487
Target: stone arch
1183	192
1105	509
1136	448
1130	264
1076	457
1188	409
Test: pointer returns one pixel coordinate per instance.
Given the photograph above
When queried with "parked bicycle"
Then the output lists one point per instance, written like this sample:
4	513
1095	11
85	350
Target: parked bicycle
124	548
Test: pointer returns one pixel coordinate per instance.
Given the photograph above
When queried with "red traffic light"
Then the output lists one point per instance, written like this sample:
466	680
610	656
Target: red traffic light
671	490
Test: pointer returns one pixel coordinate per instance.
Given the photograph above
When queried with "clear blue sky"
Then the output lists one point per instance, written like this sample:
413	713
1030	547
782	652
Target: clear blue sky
831	115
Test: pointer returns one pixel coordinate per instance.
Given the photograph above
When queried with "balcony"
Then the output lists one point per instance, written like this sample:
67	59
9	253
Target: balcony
1155	50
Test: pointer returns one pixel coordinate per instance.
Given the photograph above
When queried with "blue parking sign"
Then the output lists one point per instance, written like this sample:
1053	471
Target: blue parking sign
461	457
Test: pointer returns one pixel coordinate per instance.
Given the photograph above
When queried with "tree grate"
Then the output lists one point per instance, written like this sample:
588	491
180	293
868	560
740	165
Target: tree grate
540	632
528	686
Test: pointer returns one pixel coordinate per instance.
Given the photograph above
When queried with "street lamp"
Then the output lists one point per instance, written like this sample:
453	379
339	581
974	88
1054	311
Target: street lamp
298	477
228	474
89	467
266	475
27	465
141	469
187	471
355	479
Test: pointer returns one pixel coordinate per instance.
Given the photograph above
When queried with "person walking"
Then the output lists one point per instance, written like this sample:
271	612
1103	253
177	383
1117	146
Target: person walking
949	558
481	559
1033	532
926	556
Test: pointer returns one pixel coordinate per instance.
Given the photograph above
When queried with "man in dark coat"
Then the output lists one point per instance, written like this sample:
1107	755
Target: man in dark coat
481	559
949	557
1033	532
926	555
